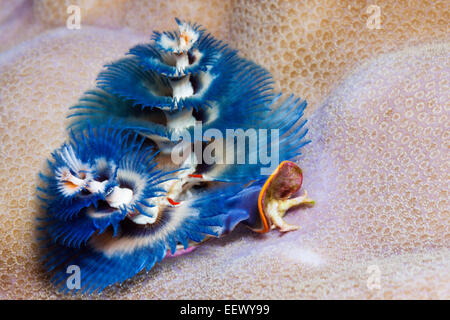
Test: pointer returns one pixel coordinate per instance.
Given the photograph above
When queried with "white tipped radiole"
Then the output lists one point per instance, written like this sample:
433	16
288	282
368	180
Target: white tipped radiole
120	197
117	198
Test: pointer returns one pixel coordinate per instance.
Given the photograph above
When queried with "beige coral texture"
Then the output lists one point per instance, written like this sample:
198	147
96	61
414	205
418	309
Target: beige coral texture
378	164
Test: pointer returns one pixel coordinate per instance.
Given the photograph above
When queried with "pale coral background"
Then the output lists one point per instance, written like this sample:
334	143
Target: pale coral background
378	166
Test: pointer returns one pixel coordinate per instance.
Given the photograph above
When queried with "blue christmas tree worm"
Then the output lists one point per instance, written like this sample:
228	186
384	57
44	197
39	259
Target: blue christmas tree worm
115	202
